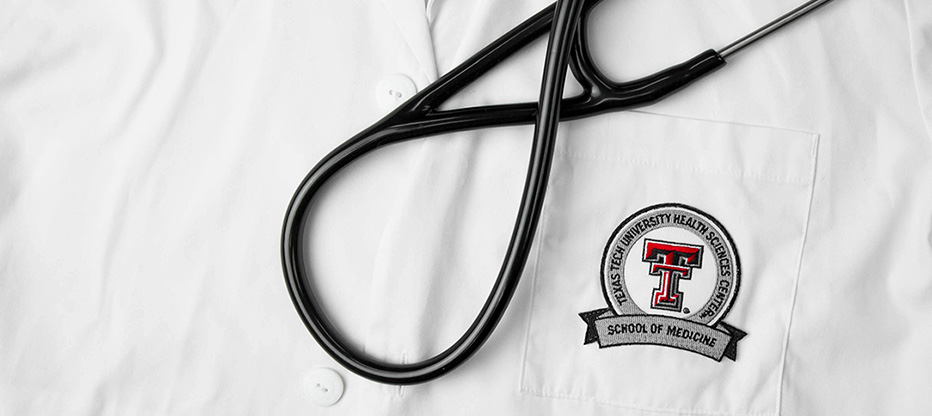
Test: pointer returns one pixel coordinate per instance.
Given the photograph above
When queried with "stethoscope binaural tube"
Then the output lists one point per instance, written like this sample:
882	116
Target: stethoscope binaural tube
420	117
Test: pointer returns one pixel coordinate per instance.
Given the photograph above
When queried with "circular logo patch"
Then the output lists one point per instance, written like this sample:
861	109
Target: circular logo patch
671	260
670	273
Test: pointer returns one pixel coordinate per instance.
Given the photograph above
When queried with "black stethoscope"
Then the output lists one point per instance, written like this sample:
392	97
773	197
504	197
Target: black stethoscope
419	117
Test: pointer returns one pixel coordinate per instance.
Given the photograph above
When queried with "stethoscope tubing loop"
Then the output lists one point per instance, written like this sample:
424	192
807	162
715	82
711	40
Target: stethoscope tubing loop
566	18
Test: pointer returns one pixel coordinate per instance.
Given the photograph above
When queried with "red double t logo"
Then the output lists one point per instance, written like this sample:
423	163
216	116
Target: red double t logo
671	262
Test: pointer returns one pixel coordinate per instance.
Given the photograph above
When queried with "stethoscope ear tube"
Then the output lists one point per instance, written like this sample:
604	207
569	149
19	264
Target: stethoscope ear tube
565	20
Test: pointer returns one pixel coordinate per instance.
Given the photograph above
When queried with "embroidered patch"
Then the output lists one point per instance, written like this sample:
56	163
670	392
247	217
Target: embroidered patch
670	273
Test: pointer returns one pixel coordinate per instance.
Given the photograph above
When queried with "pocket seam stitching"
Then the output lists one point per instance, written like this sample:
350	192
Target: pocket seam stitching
545	215
814	155
737	173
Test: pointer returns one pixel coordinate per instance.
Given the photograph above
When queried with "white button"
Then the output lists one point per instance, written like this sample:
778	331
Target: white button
394	90
325	385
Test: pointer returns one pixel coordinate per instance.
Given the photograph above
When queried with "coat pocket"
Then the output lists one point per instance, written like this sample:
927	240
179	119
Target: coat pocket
667	263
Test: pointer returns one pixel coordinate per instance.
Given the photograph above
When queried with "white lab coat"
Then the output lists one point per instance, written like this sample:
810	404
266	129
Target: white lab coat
148	151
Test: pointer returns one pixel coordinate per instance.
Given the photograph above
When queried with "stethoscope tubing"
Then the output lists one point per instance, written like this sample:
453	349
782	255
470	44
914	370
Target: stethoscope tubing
420	117
565	20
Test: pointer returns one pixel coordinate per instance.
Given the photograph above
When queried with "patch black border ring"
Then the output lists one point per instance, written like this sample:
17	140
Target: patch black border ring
608	245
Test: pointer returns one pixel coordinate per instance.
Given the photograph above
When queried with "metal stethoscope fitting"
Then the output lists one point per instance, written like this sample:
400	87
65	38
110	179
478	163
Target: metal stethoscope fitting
420	117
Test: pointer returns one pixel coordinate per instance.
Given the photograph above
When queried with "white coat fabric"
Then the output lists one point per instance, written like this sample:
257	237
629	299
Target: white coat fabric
148	151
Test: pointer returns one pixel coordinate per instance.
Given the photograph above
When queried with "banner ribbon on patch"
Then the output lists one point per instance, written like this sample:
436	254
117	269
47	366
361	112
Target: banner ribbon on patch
610	330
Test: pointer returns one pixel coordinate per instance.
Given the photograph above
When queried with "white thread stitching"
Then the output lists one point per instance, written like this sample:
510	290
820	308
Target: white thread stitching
799	269
738	173
545	215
